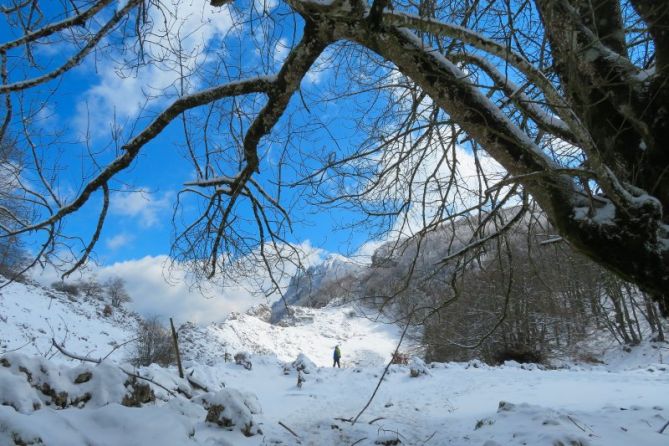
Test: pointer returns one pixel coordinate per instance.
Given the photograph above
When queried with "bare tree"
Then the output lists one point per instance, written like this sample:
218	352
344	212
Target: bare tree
117	292
73	289
569	97
154	344
12	254
91	288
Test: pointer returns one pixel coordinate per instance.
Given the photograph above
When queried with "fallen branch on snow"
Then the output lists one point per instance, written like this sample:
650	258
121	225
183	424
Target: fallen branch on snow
346	420
288	429
661	431
61	349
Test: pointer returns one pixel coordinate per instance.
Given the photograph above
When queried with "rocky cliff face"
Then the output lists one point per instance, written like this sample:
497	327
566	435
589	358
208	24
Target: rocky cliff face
399	273
335	278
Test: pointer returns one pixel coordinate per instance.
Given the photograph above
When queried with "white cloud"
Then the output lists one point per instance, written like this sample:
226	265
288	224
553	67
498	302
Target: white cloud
424	178
152	294
366	250
281	51
121	96
159	291
119	241
320	68
141	204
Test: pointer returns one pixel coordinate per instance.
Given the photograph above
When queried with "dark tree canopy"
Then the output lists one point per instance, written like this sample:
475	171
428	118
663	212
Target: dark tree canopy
569	97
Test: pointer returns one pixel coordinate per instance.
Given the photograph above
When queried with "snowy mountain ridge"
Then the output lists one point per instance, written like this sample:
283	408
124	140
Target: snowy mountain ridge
338	277
31	315
318	285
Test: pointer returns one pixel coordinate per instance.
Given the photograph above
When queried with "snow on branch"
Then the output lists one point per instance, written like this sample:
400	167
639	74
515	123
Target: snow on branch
77	58
61	349
544	120
58	26
210	182
534	75
69	354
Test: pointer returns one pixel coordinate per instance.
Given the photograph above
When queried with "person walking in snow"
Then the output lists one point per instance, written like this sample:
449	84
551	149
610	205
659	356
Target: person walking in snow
337	357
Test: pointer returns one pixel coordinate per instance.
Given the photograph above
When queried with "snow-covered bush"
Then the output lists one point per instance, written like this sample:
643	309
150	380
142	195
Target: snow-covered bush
243	359
303	364
417	367
476	364
260	311
69	288
532	366
232	409
30	383
154	344
91	288
139	393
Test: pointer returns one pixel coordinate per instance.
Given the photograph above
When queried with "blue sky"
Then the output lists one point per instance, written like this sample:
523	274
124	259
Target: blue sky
93	98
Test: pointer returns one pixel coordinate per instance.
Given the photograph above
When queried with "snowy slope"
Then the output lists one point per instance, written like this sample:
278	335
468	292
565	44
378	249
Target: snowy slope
363	342
46	400
31	315
458	404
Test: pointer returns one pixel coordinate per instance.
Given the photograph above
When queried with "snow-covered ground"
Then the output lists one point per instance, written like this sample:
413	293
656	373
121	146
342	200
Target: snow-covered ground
316	333
46	399
31	315
456	404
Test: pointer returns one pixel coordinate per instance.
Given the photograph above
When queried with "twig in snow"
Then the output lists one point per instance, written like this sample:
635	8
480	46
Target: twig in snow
575	423
346	420
661	431
118	346
430	437
396	432
376	419
578	426
288	429
362	439
73	355
135	375
385	371
61	349
196	385
16	349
